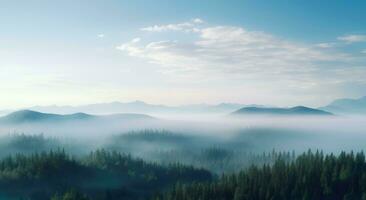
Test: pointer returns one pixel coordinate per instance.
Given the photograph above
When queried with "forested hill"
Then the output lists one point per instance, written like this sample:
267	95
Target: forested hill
100	175
311	176
109	175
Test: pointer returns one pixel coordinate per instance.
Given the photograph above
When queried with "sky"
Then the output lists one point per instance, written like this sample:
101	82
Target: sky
273	52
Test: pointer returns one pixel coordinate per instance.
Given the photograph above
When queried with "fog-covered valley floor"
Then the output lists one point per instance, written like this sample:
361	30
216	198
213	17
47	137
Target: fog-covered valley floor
137	156
162	139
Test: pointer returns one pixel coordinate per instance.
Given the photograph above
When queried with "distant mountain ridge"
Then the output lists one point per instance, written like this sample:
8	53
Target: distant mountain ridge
298	110
139	107
29	116
33	116
347	106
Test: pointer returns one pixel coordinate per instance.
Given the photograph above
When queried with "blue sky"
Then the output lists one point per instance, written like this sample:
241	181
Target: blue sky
181	52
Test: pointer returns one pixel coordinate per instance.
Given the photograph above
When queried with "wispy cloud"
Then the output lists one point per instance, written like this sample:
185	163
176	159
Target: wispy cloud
352	38
101	35
131	48
198	21
189	26
235	53
326	45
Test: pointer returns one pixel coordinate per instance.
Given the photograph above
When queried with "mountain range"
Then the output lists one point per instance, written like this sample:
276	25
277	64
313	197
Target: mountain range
29	116
340	107
139	107
298	110
347	106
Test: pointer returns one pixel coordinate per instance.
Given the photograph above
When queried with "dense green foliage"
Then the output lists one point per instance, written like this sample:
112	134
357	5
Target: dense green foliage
70	195
221	160
172	167
160	146
310	176
40	175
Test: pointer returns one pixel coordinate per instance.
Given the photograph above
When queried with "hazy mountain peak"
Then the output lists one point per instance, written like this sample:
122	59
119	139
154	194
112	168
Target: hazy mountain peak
297	110
28	116
25	116
25	113
139	107
80	115
347	106
139	102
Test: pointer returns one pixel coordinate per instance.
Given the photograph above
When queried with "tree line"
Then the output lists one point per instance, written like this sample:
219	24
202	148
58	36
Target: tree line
100	175
311	175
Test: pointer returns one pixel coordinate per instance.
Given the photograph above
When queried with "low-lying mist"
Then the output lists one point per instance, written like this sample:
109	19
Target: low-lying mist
220	144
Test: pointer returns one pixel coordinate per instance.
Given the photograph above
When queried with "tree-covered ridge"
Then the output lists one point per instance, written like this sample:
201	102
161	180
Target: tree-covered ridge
221	160
309	176
41	170
152	135
41	175
218	156
160	146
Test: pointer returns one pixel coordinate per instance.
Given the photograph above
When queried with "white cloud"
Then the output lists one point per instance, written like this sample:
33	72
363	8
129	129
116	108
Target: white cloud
198	21
353	38
131	47
135	40
232	50
234	53
101	35
190	26
325	45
